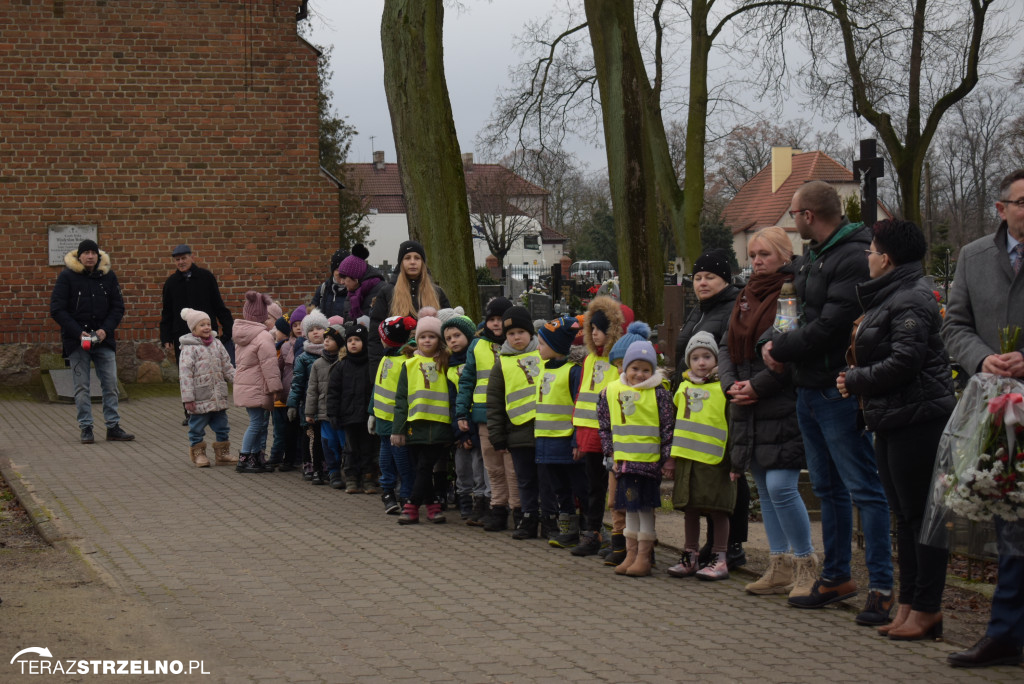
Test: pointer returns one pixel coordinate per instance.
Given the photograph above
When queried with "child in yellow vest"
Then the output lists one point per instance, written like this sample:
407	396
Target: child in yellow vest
635	415
698	448
424	409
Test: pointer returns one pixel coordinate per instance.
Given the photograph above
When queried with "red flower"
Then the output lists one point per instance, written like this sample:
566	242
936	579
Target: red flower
1003	403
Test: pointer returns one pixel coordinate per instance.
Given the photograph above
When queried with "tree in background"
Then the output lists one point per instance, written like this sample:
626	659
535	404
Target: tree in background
503	209
429	159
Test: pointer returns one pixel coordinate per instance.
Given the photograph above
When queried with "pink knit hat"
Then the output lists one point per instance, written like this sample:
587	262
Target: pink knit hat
274	310
255	307
428	322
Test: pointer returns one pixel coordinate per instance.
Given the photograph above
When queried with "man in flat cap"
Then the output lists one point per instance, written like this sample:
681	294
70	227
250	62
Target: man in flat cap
195	288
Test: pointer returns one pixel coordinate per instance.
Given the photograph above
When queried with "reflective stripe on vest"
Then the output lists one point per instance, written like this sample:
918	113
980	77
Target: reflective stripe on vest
385	384
701	430
597	373
554	403
633	414
522	374
486	353
428	391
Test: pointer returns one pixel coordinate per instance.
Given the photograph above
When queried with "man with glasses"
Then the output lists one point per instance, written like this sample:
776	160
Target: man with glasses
987	296
840	455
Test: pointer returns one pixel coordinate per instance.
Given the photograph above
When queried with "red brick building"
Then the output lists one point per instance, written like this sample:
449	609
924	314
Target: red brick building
157	123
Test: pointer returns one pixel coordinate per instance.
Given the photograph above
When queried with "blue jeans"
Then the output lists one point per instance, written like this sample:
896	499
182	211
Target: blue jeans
470	474
394	464
1007	621
255	438
782	508
216	420
106	369
333	442
841	462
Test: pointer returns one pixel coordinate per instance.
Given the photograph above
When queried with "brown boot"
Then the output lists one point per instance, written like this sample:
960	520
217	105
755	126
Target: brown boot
641	567
632	547
198	455
777	579
902	613
222	454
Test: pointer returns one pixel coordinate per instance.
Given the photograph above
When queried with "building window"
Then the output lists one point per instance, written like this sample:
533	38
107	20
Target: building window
531	242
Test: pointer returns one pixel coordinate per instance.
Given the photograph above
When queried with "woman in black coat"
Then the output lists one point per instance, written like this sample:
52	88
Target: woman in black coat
899	369
712	283
764	435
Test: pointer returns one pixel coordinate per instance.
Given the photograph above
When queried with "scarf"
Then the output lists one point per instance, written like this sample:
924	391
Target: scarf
355	298
760	297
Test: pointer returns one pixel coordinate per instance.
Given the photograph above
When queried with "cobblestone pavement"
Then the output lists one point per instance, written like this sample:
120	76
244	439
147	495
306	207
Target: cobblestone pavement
289	582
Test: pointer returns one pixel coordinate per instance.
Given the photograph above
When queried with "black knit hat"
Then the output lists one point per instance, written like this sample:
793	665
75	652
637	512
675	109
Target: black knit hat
410	246
88	246
336	333
714	261
355	329
497	307
518	317
599	320
396	330
337	258
559	334
282	325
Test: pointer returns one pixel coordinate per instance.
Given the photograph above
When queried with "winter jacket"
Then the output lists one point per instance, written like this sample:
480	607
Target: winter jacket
712	316
558	450
257	376
86	301
421	431
666	426
767	431
900	369
826	280
286	361
464	406
360	302
315	406
380	308
986	297
503	433
204	371
331	298
300	374
459	361
349	391
196	289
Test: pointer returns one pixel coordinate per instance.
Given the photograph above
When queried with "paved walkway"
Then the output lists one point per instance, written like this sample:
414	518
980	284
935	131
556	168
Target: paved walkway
288	582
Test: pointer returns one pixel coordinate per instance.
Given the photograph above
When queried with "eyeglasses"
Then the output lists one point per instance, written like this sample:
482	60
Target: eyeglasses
1018	202
871	251
794	212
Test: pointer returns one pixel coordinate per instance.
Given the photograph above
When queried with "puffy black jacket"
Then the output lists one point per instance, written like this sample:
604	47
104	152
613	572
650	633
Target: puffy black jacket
195	289
331	299
86	301
381	309
711	316
826	280
901	372
348	391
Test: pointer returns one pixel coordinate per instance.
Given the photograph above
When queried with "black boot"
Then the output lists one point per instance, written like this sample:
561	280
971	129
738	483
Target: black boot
517	517
497	520
618	552
466	506
528	527
569	526
735	556
258	462
390	501
247	464
549	526
589	545
480	506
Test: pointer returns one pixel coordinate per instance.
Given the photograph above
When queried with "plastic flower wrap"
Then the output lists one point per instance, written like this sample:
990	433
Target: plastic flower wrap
979	468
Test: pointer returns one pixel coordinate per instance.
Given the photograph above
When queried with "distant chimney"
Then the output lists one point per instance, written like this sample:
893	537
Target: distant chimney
467	161
782	166
378	160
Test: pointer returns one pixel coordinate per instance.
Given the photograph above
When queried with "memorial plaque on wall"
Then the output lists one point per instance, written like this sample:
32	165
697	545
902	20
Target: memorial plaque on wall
64	237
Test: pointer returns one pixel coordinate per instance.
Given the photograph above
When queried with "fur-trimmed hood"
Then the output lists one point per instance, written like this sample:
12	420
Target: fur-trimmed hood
72	262
656	380
616	322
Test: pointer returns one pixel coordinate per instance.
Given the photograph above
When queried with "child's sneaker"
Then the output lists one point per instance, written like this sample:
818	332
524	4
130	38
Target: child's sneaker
687	565
352	485
434	514
336	481
317	479
717	569
390	501
410	515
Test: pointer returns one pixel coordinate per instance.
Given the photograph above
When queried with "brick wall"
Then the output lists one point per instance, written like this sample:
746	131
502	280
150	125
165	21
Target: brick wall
160	121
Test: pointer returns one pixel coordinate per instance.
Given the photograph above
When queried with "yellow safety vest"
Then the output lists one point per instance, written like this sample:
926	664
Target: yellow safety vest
554	403
454	372
636	435
385	384
702	428
486	354
522	374
597	373
427	390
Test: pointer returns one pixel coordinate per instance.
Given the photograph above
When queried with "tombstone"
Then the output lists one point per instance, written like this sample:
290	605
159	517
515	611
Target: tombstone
487	293
540	306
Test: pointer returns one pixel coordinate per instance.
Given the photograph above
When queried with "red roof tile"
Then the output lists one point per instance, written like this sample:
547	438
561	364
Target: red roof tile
550	236
756	206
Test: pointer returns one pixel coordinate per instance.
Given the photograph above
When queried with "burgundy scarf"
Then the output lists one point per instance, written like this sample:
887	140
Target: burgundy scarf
760	297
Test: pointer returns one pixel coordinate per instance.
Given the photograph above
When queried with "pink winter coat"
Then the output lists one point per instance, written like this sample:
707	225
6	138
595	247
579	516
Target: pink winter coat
257	376
203	373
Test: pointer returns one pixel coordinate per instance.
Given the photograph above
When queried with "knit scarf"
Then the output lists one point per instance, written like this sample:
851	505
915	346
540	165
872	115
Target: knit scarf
760	298
355	298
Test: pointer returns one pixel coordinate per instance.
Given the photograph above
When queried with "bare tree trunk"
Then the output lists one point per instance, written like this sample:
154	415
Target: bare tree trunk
429	159
696	130
624	107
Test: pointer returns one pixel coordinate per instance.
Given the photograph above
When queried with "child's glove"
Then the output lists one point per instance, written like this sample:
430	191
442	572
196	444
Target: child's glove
293	414
371	425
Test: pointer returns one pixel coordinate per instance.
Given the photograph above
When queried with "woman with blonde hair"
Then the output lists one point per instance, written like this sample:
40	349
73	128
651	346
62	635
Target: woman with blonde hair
763	429
409	289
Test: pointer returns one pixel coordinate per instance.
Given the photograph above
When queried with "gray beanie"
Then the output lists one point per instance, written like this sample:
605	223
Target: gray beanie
700	340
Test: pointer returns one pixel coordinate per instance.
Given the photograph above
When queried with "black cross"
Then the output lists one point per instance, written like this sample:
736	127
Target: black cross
873	168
